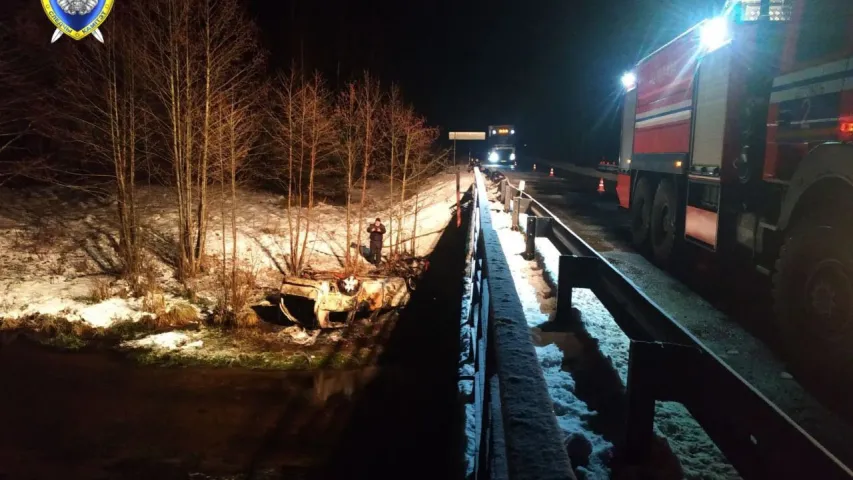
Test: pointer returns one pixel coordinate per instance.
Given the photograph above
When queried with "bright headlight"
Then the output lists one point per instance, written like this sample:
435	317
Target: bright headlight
493	157
715	33
512	156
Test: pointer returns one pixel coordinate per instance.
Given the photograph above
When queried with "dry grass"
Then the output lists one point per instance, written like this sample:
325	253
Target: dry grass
233	306
146	281
154	302
100	291
180	315
11	323
247	319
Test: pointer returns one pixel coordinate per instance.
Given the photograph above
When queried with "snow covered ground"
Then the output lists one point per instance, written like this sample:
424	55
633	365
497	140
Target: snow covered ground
699	457
57	248
573	414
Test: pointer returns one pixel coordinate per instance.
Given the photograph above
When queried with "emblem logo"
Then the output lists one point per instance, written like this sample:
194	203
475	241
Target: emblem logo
77	18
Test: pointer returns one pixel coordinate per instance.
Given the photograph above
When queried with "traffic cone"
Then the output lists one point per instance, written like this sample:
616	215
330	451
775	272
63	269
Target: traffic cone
552	173
600	185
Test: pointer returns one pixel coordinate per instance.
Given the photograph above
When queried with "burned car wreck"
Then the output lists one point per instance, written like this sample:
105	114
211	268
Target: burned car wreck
386	289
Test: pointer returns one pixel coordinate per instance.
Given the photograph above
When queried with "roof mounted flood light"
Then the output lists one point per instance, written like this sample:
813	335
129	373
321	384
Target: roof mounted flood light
715	33
629	80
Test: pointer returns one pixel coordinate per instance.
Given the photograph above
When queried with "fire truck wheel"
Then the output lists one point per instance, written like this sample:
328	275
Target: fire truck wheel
813	295
663	221
641	207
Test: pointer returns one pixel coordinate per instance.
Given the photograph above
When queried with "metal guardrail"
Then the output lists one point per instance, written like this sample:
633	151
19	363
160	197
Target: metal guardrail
515	433
668	363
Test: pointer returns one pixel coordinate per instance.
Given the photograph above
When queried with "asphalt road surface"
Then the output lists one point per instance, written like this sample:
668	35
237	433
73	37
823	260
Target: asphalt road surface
731	315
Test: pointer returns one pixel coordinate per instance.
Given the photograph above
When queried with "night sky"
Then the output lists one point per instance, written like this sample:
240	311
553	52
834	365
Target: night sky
551	67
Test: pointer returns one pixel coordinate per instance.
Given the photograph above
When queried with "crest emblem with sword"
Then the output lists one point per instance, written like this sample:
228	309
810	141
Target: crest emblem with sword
77	18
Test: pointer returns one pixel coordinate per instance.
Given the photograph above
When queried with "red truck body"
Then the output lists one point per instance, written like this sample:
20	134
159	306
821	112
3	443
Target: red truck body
742	149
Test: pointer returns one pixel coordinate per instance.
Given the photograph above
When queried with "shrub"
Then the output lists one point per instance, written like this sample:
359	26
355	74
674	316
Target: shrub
154	302
233	307
179	315
100	291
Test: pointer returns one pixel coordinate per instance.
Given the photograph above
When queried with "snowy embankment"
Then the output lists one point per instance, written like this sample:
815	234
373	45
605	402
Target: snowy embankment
58	248
699	456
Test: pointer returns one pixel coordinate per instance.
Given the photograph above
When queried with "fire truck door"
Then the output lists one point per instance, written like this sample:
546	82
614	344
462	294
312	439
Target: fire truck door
703	180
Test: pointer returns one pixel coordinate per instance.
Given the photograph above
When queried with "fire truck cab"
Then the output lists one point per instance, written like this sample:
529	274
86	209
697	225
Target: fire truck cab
736	136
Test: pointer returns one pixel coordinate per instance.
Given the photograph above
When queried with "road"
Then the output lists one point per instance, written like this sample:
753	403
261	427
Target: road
731	315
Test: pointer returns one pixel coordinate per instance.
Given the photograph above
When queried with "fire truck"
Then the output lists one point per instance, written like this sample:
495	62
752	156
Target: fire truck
737	136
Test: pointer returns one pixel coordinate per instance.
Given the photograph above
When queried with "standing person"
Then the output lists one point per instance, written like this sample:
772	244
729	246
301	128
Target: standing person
376	231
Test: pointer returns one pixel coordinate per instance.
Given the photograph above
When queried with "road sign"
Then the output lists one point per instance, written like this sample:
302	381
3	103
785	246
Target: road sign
467	135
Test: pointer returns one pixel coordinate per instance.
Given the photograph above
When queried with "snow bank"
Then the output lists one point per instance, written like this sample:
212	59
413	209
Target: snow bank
106	313
167	341
45	298
590	452
699	456
50	266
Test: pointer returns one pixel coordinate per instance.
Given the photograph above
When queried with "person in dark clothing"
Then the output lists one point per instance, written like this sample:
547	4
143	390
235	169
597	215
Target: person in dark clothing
376	231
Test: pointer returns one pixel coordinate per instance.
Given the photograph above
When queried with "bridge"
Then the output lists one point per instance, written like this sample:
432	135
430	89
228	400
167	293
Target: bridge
512	430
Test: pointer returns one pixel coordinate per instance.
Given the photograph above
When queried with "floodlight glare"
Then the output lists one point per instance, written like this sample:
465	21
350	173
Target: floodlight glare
629	80
715	33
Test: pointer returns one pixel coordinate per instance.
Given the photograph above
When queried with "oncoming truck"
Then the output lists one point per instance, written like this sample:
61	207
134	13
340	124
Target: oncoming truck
737	136
501	146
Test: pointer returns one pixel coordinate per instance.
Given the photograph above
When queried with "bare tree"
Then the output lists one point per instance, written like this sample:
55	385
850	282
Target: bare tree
347	121
305	132
99	111
425	164
417	140
368	104
195	50
235	127
395	117
26	72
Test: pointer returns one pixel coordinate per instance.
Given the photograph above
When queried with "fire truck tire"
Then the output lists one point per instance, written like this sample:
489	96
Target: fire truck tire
813	294
663	221
641	208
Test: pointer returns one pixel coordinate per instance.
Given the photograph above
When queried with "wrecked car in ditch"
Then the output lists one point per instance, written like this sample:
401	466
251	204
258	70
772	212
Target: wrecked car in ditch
352	294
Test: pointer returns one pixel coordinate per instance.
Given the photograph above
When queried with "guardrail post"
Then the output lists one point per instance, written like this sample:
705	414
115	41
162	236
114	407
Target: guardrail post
502	189
530	239
521	205
508	198
574	272
639	431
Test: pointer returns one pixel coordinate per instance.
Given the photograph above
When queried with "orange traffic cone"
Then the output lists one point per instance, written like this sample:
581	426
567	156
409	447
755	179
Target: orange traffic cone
552	173
600	185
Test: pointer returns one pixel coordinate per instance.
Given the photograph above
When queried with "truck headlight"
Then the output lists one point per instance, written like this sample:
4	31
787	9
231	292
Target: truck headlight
512	156
493	157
